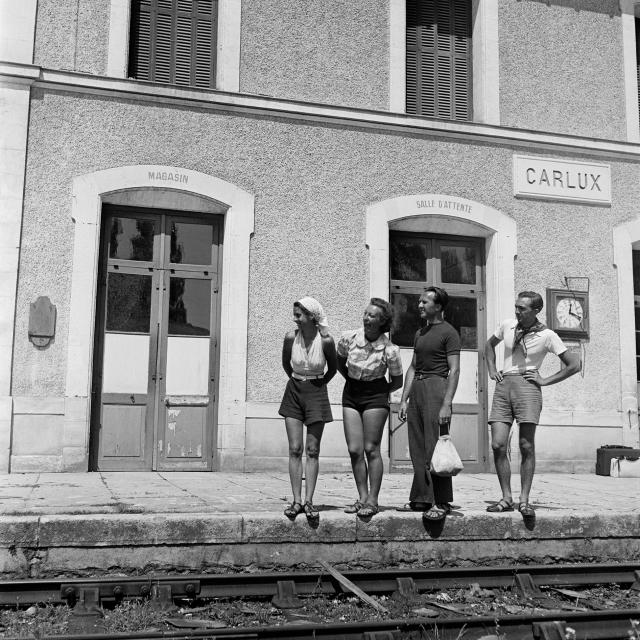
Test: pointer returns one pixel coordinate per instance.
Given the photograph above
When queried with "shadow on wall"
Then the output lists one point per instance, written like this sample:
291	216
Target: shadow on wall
610	7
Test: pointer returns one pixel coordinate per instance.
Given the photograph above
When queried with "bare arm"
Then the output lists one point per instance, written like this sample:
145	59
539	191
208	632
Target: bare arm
286	353
408	383
329	349
452	384
490	355
572	363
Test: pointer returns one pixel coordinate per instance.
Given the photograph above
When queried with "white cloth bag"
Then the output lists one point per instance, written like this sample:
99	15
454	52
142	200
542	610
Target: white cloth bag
445	461
625	467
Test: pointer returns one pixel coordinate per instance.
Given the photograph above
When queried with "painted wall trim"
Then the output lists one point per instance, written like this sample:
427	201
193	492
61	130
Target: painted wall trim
624	236
17	30
468	132
228	49
87	192
628	9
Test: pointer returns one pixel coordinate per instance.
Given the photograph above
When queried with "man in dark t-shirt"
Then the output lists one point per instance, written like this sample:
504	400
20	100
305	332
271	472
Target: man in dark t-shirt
427	398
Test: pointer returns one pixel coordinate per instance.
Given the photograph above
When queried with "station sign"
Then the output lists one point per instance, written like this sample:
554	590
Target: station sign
550	179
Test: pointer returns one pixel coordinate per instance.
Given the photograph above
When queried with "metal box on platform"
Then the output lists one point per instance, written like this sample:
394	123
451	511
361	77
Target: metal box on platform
608	451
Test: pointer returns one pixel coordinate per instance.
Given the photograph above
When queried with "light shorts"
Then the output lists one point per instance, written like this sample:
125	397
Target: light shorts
516	399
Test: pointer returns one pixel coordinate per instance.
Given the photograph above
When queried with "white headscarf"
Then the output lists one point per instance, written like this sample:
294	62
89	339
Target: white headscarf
316	312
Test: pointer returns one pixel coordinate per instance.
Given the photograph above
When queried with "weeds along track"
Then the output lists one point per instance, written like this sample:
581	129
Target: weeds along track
553	609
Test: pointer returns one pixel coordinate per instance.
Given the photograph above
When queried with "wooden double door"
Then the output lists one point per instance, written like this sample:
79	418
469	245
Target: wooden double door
455	263
155	357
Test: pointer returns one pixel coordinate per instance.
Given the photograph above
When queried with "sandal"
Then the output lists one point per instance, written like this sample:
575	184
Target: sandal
526	510
501	506
354	508
293	510
310	511
437	512
413	506
368	510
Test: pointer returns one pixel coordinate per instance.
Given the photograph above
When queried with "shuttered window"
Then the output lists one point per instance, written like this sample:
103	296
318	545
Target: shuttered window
174	41
439	74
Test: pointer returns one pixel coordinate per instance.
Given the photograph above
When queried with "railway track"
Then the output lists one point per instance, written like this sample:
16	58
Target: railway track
285	589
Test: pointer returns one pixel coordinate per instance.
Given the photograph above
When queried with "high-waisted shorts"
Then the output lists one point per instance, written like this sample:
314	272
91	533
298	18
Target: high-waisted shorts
515	398
306	400
369	394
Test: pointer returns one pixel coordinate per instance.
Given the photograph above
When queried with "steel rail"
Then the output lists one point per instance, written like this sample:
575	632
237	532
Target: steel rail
265	584
601	625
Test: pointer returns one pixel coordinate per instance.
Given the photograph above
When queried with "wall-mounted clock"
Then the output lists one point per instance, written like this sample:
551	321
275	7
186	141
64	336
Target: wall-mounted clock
568	313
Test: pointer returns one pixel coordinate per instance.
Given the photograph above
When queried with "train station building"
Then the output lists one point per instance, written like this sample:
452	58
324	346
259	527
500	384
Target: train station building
176	173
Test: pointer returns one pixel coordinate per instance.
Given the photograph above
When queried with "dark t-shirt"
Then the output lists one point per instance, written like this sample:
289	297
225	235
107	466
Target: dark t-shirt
432	345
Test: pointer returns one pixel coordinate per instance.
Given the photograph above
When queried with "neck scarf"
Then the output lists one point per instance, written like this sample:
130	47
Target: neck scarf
316	311
520	332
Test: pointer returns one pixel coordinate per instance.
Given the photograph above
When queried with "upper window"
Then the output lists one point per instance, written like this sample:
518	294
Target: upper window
174	41
439	58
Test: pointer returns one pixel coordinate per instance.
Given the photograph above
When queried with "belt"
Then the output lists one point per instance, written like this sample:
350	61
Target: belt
518	373
297	376
424	376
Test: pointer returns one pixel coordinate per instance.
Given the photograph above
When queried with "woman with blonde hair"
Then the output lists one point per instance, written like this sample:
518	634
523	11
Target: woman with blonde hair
306	352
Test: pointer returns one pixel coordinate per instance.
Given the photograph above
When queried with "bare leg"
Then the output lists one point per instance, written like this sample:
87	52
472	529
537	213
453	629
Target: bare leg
314	435
500	444
373	422
528	459
354	435
294	434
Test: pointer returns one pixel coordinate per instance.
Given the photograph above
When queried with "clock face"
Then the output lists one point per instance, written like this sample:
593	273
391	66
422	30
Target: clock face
570	313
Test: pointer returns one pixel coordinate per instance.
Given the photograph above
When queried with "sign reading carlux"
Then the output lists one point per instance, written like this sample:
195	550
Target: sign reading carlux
169	176
535	177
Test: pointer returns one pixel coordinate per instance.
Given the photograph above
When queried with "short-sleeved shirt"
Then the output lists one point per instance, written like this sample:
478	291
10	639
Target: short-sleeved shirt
369	360
432	344
529	353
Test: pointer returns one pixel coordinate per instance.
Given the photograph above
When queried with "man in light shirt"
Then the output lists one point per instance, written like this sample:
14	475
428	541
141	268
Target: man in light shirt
518	395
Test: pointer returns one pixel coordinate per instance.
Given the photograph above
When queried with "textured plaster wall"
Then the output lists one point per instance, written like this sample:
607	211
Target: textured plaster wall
561	67
72	35
312	185
327	51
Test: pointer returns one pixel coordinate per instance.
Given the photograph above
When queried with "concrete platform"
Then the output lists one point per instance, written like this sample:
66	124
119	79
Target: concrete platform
79	524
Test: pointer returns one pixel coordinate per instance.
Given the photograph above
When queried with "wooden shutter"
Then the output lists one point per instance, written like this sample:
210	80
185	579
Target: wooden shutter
439	73
174	41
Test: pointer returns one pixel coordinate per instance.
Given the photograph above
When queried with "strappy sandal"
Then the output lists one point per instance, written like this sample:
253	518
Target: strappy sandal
526	510
501	506
293	510
413	506
354	508
368	510
437	512
310	511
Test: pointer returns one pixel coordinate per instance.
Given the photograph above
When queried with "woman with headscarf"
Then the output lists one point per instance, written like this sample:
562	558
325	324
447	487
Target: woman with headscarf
306	352
364	358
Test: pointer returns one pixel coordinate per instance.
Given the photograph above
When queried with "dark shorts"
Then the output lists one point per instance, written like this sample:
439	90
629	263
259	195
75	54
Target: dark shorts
306	400
362	395
516	399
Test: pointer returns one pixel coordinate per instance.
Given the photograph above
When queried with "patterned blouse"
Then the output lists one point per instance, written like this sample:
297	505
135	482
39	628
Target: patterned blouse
369	360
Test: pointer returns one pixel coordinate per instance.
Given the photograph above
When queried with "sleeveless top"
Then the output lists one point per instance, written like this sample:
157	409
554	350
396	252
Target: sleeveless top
311	362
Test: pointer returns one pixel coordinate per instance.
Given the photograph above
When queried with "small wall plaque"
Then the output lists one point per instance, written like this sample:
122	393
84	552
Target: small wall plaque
42	321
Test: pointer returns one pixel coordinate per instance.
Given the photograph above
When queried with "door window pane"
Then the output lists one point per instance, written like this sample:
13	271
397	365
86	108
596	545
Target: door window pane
462	314
189	307
458	264
128	302
191	243
408	258
406	320
131	239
